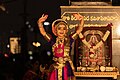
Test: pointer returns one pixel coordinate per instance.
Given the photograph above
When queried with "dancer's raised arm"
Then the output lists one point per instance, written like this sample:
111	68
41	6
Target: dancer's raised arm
81	19
40	24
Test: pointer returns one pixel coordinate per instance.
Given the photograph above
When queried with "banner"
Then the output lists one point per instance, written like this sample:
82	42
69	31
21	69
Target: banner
96	16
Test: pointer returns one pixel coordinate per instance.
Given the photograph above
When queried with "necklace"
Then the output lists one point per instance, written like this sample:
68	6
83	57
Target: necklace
58	46
60	40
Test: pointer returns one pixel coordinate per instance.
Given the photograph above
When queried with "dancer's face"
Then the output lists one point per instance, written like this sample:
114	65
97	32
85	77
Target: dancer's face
61	31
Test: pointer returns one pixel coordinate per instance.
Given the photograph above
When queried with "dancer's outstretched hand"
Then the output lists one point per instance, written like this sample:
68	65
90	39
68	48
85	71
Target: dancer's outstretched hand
42	19
78	16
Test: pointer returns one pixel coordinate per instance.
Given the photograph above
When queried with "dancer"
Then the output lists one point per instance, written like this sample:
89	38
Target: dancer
63	68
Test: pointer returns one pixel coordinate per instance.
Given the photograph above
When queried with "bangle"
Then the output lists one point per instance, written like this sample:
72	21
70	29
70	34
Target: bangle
74	35
47	37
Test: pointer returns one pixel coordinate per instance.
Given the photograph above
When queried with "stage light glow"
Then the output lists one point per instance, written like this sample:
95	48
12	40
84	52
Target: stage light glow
13	59
8	46
6	55
48	53
46	23
31	29
27	22
31	57
29	26
30	52
36	44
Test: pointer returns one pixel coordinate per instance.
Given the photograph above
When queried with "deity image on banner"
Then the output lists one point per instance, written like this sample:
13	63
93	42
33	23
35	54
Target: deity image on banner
94	48
93	57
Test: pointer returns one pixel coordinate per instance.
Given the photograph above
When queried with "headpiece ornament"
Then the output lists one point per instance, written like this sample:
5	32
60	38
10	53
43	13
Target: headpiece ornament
56	23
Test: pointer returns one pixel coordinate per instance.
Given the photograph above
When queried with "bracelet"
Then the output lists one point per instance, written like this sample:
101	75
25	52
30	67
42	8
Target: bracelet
47	37
74	35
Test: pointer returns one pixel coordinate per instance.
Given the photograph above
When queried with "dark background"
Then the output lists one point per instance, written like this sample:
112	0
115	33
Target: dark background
20	19
15	21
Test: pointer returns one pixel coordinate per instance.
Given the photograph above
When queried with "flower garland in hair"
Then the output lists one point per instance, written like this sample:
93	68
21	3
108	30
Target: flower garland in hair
92	48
